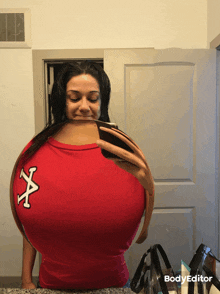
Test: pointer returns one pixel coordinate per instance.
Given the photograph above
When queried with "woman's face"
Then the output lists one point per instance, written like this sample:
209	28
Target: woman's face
83	98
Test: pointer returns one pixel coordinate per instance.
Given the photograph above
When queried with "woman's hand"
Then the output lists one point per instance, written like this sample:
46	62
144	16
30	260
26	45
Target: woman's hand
134	163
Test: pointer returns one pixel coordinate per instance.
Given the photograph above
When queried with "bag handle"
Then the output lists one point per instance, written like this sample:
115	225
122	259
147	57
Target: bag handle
215	280
156	263
137	283
142	268
194	265
202	251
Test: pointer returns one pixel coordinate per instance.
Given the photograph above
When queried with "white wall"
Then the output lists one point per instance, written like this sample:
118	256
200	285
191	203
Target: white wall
17	127
77	24
213	20
116	24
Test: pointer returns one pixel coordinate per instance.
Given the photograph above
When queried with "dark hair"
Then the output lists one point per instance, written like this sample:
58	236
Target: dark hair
58	100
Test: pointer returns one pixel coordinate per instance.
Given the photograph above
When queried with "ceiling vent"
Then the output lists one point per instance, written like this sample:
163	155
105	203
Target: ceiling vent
15	28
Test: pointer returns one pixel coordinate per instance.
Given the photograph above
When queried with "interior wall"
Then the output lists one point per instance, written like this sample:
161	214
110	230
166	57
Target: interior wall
213	20
17	128
79	24
115	24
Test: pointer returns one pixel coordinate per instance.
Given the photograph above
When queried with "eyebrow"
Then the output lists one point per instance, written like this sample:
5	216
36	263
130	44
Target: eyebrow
79	92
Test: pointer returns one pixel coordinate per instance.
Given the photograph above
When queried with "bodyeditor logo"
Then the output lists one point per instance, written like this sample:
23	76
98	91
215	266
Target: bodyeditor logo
189	278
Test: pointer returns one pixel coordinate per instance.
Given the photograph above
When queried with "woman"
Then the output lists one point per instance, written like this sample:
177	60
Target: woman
80	210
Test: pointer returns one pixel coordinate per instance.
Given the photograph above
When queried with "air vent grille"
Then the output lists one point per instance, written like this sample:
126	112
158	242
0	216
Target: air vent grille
12	27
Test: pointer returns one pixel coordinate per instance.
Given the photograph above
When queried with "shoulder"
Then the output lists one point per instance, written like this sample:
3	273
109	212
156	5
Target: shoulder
16	165
29	144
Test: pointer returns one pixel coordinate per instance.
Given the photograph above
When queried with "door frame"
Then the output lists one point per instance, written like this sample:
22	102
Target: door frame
218	139
215	44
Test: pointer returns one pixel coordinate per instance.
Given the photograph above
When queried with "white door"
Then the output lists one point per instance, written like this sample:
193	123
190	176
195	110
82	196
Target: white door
166	101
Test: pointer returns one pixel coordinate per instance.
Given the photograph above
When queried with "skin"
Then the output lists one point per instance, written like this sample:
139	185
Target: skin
83	98
82	108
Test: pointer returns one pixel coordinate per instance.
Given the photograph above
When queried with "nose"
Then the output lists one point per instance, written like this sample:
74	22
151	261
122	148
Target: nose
84	106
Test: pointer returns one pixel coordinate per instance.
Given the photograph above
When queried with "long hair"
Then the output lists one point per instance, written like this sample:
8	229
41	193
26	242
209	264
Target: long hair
58	100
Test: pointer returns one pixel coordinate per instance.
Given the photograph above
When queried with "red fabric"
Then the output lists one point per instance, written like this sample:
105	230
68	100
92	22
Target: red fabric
83	215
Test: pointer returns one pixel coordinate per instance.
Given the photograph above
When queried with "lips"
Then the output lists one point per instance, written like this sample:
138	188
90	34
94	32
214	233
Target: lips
84	115
81	117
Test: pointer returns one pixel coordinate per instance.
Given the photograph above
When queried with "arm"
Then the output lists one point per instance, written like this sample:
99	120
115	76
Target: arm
29	252
29	255
13	209
143	235
136	164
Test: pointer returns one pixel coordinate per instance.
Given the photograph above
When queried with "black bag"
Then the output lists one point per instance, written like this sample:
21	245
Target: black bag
150	276
203	261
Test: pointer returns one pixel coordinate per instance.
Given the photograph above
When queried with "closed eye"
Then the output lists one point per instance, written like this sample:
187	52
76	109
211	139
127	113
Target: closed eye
94	100
93	97
75	96
74	100
78	99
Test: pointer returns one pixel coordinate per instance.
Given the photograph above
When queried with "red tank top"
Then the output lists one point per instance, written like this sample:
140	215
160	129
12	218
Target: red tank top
81	212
